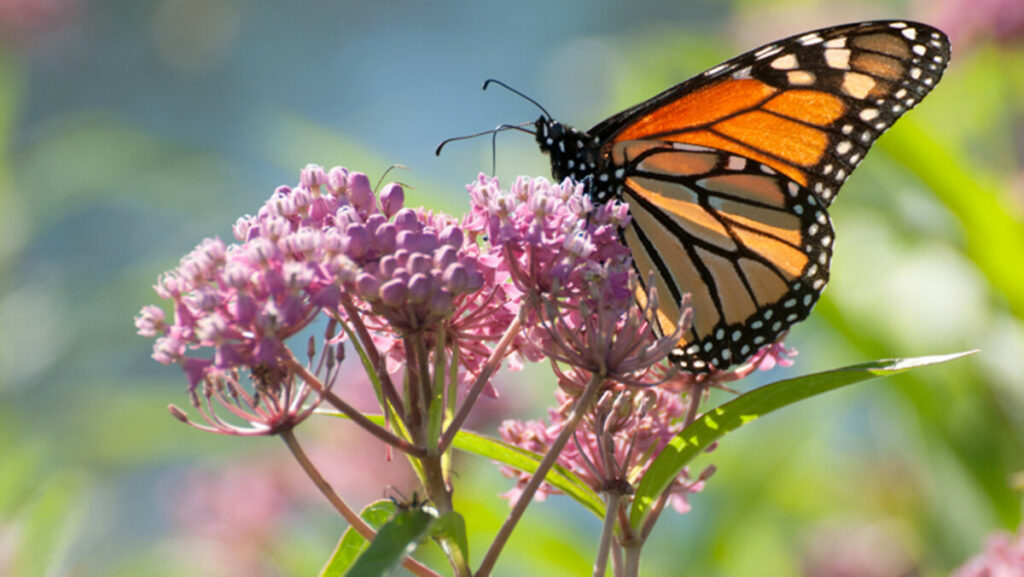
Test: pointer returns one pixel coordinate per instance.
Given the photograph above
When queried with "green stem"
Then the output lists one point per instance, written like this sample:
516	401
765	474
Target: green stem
601	563
354	414
583	404
632	565
353	518
492	364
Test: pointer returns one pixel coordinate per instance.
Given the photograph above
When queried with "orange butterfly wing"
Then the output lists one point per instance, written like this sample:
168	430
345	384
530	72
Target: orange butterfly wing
728	175
809	106
751	247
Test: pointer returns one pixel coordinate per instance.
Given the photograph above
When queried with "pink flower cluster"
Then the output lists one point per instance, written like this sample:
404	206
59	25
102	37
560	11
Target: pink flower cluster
564	255
613	446
308	249
554	240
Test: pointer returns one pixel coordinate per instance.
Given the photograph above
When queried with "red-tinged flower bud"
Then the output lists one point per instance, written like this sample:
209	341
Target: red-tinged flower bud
393	292
445	257
368	286
452	236
419	264
386	238
391	199
357	241
360	193
419	288
388	266
405	219
456	279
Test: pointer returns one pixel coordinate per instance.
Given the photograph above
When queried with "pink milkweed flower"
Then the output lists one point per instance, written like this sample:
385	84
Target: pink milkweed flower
275	402
615	443
552	236
564	255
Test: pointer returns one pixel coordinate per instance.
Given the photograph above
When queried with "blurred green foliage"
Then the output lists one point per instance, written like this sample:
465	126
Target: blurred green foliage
117	158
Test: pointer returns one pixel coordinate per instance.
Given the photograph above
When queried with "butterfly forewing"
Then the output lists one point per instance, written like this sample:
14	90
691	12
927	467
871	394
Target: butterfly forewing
750	246
809	106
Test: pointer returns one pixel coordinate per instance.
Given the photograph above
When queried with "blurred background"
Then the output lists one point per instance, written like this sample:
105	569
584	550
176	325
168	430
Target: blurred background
131	130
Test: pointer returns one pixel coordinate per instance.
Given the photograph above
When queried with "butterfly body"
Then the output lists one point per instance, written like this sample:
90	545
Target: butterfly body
728	175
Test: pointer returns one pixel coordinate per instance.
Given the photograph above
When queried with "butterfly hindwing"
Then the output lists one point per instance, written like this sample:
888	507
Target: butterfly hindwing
750	246
809	106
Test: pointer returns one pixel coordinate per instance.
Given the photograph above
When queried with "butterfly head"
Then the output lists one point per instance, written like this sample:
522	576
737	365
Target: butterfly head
573	153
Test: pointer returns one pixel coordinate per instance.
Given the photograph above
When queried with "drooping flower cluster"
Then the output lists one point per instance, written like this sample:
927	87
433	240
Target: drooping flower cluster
614	445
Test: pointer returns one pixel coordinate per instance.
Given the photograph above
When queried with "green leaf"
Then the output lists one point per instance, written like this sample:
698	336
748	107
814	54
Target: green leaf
351	544
730	416
517	458
450	529
397	538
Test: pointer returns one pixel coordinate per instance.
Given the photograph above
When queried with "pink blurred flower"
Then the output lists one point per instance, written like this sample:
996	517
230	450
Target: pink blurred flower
973	21
857	551
24	21
1003	557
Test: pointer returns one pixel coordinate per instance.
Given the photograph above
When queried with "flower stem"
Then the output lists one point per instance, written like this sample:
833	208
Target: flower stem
378	362
492	364
583	404
354	414
632	568
346	512
607	532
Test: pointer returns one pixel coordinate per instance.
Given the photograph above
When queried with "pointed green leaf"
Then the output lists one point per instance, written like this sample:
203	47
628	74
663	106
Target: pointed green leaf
352	543
397	538
707	429
517	458
450	529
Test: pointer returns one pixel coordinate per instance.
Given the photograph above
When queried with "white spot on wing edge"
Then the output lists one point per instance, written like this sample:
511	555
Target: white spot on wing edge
787	62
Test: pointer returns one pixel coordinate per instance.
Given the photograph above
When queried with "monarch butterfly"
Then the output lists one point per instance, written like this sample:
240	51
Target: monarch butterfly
728	175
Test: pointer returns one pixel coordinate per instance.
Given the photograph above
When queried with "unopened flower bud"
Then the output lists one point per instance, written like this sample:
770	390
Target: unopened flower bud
388	266
419	288
445	257
391	199
393	292
452	236
420	264
360	194
456	278
386	238
405	219
368	286
357	241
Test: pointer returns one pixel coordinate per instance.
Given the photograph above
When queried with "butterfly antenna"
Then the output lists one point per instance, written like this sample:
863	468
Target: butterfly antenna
490	81
495	131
